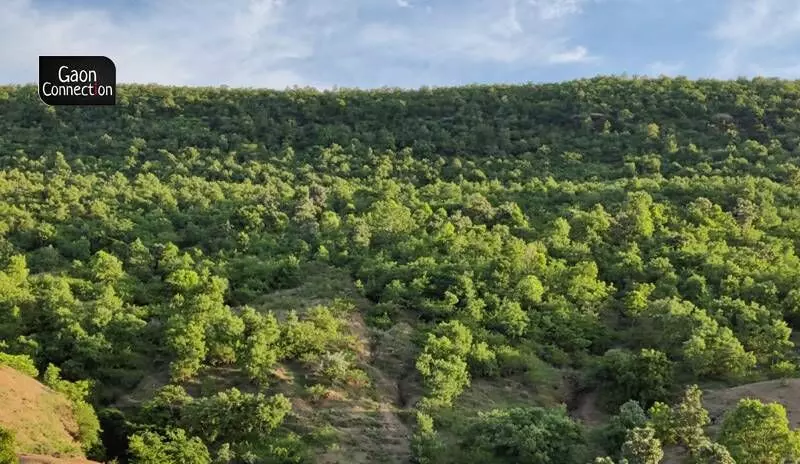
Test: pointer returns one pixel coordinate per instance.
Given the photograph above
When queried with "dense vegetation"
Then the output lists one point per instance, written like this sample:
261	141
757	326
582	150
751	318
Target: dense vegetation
628	237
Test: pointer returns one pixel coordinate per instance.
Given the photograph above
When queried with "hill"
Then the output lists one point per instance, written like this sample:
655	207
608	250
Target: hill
42	419
391	276
784	392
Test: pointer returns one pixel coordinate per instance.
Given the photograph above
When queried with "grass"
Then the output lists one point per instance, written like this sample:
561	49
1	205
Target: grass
322	284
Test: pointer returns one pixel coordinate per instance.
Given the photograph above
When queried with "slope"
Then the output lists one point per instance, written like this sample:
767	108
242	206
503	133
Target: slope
42	419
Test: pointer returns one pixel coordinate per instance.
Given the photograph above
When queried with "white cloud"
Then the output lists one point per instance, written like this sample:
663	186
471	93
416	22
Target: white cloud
279	43
484	32
574	55
176	42
751	30
553	9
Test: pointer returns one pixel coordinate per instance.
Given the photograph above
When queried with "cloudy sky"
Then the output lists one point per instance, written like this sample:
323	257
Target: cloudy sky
402	43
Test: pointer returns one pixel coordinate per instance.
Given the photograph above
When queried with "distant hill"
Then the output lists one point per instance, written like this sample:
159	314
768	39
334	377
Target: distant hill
41	418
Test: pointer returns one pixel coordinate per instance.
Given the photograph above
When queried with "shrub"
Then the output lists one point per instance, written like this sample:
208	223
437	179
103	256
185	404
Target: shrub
7	453
175	446
525	435
645	376
20	362
88	424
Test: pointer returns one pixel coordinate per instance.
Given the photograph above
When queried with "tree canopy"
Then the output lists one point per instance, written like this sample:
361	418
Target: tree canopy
211	261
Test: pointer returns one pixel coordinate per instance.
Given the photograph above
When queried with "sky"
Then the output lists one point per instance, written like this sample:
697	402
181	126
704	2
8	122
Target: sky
403	43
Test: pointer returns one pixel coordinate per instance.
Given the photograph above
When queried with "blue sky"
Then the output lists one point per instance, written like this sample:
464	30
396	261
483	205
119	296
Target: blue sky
403	43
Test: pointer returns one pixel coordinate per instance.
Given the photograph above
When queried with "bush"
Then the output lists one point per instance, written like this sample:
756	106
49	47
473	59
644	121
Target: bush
546	436
641	447
20	362
334	367
483	361
175	446
77	393
7	452
88	424
316	392
232	416
425	444
645	376
614	434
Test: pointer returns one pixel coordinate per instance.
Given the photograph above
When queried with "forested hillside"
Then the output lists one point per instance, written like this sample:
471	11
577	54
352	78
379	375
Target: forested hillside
487	274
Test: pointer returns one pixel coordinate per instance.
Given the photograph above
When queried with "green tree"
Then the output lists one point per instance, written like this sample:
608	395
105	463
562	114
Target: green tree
689	418
641	447
426	446
106	267
534	435
442	362
714	351
711	453
174	446
754	432
683	422
614	433
232	416
645	376
529	290
511	319
260	349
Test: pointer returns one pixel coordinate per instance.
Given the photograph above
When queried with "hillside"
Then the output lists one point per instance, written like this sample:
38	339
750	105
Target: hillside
42	419
438	275
785	392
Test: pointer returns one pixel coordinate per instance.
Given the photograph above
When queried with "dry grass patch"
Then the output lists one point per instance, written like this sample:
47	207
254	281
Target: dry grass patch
41	418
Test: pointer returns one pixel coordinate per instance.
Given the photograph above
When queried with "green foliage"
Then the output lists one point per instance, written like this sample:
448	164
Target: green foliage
504	231
754	432
426	447
641	447
106	267
88	424
165	407
615	432
84	413
7	451
260	348
534	435
233	416
20	362
683	422
173	446
689	418
717	353
442	362
483	360
711	453
645	376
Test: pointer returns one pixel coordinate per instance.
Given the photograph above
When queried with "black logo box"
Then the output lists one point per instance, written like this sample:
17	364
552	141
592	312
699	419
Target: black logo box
77	80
